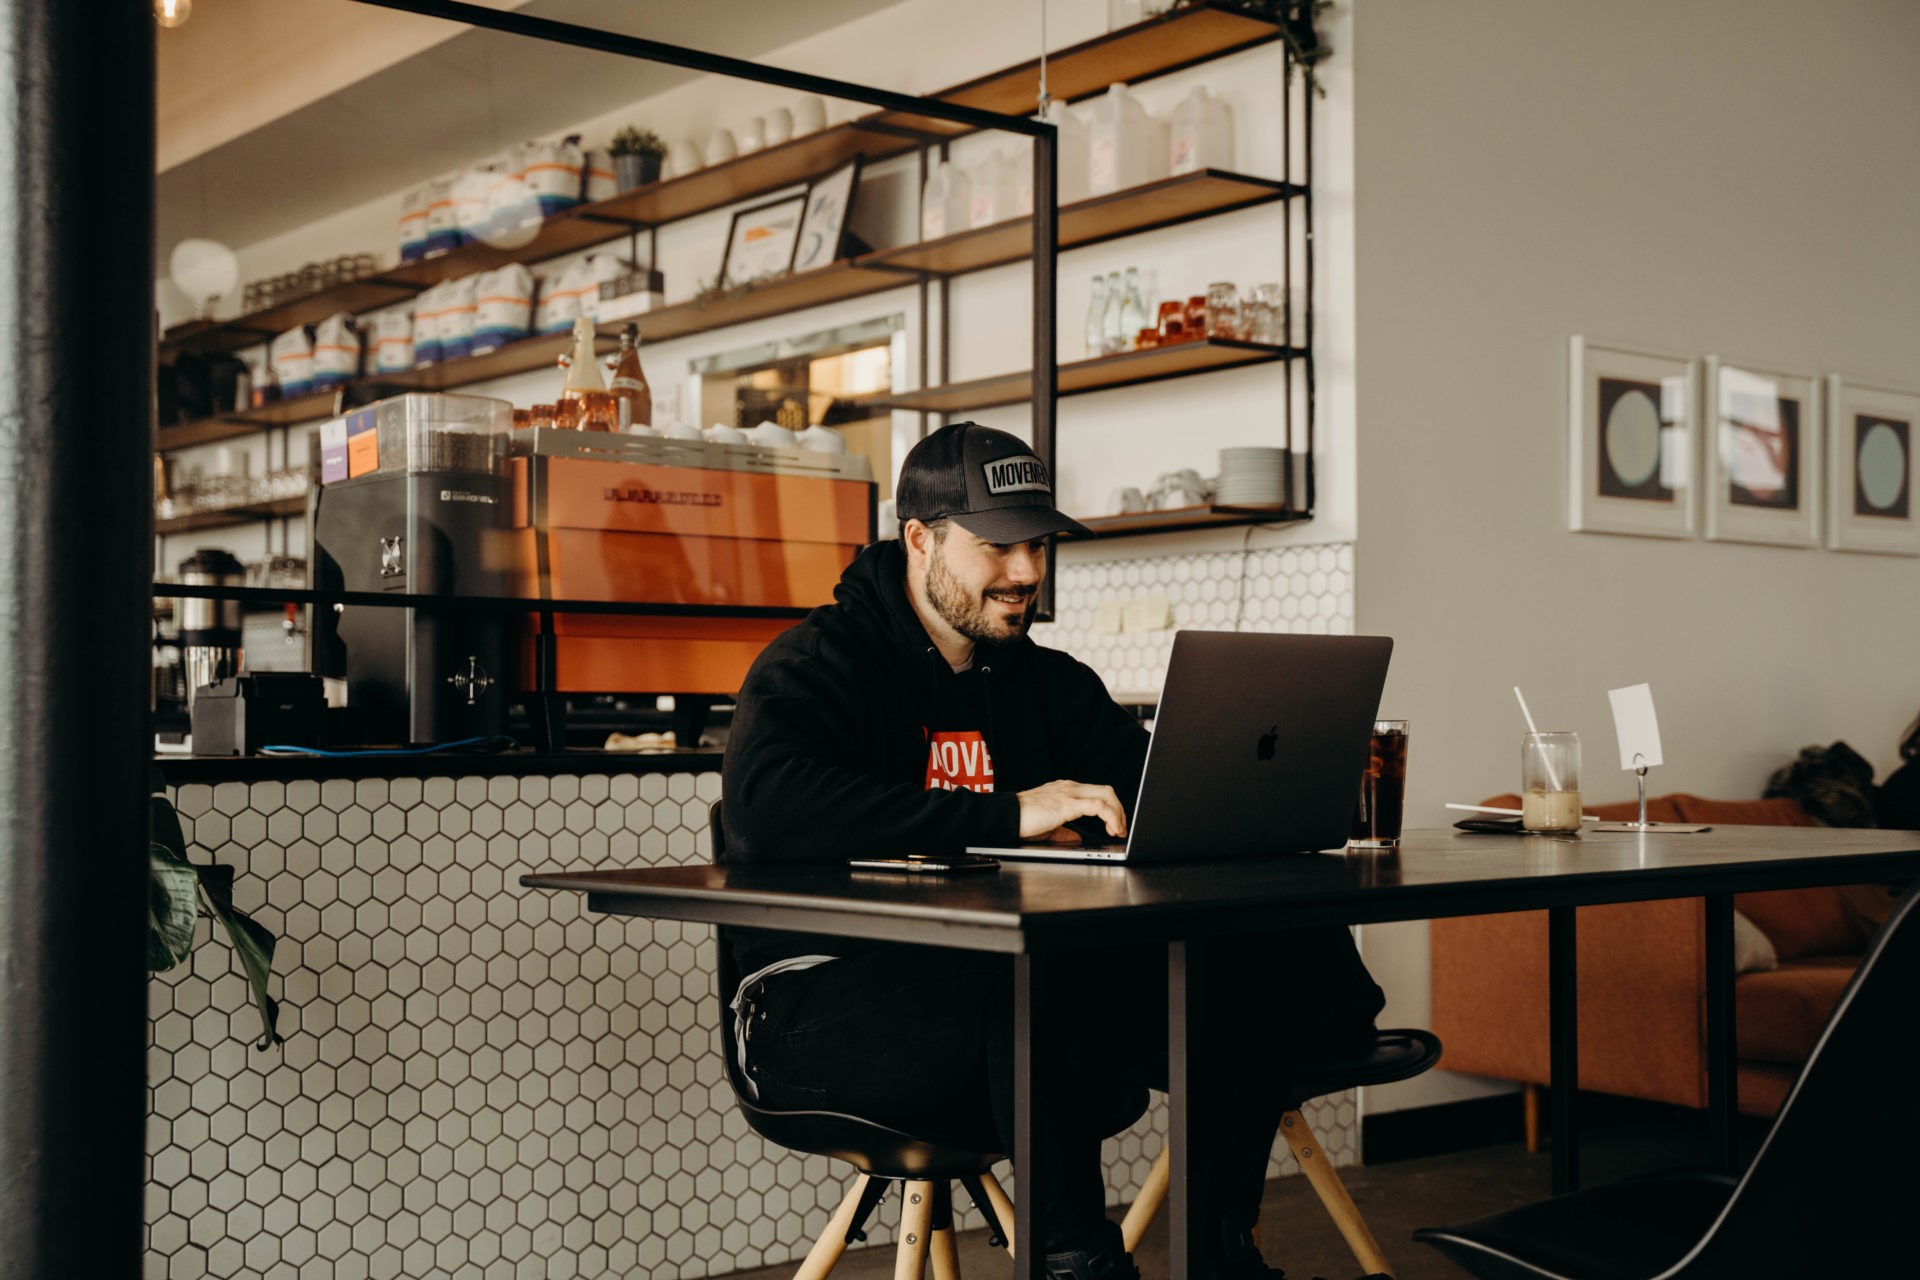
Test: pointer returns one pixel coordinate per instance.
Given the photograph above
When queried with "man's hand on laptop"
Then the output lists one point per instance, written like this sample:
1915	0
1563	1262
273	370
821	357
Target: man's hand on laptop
1045	811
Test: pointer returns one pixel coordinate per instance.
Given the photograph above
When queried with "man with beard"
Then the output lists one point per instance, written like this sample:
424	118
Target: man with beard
914	715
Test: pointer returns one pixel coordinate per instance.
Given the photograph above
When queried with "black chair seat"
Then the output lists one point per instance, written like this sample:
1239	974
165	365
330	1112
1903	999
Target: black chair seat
1397	1054
1632	1230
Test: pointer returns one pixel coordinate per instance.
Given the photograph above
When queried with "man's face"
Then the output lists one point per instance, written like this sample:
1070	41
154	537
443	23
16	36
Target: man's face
986	592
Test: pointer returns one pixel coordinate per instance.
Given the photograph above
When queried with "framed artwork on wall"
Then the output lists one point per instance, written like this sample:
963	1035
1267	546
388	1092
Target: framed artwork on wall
1763	430
762	240
1630	416
1873	434
823	228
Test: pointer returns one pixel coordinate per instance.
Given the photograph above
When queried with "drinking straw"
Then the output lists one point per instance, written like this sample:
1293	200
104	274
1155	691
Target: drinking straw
1553	775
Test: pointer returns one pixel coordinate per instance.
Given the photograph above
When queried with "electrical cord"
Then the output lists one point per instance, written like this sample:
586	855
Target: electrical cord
491	742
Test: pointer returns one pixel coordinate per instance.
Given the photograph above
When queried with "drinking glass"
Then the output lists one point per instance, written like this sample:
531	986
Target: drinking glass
1269	315
1550	782
1383	789
1223	310
1172	321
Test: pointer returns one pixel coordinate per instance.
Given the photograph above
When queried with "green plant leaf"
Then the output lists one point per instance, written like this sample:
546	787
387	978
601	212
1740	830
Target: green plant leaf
252	942
173	908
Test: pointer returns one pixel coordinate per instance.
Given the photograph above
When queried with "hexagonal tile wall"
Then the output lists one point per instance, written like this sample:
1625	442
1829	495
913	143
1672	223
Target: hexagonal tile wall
477	1081
1306	589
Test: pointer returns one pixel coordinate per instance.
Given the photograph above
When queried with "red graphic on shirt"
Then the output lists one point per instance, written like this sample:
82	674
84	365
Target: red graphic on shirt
958	761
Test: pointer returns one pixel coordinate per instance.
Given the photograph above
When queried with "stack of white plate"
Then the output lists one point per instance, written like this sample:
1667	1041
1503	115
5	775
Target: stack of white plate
1253	477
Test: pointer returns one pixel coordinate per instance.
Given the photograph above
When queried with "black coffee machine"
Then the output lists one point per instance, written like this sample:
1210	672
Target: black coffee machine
414	501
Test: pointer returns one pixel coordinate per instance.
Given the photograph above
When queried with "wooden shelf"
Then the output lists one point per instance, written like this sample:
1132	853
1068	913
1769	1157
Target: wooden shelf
835	283
1178	519
364	294
1165	203
1100	374
541	351
233	515
790	164
221	426
1134	53
285	413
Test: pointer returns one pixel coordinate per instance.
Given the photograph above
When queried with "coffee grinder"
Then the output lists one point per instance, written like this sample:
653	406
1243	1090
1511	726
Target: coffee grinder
414	501
210	629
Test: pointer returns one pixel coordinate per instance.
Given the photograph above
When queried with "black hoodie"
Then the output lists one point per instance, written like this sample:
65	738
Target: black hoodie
851	728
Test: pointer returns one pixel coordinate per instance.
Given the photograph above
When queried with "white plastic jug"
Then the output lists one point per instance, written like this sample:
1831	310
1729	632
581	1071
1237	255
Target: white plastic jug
1125	146
1202	133
1070	155
996	191
946	204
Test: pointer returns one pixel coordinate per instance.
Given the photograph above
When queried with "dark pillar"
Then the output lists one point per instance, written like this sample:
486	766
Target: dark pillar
76	379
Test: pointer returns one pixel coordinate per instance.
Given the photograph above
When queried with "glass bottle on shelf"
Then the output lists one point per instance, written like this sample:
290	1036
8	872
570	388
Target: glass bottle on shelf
583	371
632	396
1133	315
1096	316
1110	317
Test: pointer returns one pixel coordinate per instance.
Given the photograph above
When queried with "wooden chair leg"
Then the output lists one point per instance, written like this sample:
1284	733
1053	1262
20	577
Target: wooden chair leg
1152	1195
1333	1194
833	1241
916	1221
1002	1207
1530	1099
943	1251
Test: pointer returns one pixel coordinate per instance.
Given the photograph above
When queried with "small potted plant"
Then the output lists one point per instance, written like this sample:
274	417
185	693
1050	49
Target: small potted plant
636	157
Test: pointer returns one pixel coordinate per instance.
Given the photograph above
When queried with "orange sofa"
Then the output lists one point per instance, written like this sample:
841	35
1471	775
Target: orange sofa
1643	982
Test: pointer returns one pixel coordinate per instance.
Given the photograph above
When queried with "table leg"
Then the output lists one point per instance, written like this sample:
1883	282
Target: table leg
1029	1021
1188	1192
1563	996
1723	1074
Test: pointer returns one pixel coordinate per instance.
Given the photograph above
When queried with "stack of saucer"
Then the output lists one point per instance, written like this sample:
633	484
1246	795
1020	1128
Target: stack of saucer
1252	477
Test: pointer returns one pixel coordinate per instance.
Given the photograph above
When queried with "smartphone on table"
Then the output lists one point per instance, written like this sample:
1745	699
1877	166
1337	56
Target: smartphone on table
927	864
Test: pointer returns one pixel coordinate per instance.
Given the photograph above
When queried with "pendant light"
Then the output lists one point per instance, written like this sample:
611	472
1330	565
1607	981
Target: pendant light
172	13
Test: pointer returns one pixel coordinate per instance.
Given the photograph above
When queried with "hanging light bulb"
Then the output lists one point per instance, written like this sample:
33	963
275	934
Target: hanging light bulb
172	13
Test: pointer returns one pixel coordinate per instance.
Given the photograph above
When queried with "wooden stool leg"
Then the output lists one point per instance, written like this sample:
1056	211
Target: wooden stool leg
1333	1194
1530	1100
833	1241
916	1220
943	1250
1002	1207
1152	1195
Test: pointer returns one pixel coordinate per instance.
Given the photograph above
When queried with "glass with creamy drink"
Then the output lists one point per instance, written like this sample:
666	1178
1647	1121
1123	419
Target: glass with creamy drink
1550	782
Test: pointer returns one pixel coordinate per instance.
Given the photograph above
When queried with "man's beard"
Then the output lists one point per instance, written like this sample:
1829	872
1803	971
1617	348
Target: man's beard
966	612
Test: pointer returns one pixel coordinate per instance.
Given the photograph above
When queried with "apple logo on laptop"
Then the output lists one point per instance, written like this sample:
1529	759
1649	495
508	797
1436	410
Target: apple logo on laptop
1267	740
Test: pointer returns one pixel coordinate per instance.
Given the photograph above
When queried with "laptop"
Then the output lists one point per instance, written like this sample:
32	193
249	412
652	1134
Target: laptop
1258	748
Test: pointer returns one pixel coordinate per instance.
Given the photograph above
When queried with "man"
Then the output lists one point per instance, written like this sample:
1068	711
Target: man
914	715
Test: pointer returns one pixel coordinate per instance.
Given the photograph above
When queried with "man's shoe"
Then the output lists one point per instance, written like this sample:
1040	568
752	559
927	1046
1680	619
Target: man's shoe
1108	1260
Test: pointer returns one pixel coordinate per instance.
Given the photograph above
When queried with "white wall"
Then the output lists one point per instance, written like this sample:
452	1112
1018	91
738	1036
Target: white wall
1720	176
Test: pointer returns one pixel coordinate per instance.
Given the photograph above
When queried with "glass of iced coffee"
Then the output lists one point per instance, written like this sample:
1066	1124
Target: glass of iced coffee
1383	789
1550	782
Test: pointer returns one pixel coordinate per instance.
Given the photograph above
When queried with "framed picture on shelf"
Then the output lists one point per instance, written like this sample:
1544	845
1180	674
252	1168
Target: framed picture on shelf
1872	434
1763	431
762	240
1630	416
823	228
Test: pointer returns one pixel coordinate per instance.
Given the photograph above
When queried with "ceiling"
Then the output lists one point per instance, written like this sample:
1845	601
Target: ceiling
275	113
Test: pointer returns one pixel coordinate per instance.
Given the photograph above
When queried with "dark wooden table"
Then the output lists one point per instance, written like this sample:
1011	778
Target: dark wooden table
1034	910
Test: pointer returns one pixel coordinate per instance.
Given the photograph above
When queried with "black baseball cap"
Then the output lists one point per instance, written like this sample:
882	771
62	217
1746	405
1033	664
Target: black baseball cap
988	482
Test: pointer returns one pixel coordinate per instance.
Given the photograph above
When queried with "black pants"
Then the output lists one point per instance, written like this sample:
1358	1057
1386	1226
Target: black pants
916	1037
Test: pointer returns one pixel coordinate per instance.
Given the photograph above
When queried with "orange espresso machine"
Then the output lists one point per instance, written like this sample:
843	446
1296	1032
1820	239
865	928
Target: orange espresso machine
707	532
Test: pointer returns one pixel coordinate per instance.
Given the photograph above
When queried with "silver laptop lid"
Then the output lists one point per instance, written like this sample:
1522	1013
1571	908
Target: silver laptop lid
1258	745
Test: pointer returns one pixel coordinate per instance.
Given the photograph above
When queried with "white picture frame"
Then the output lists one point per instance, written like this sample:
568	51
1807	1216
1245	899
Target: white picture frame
1631	440
762	240
1762	438
1873	468
823	227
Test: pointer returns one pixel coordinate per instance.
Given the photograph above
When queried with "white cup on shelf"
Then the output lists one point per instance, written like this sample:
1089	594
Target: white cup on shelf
753	136
779	126
721	433
721	146
809	116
